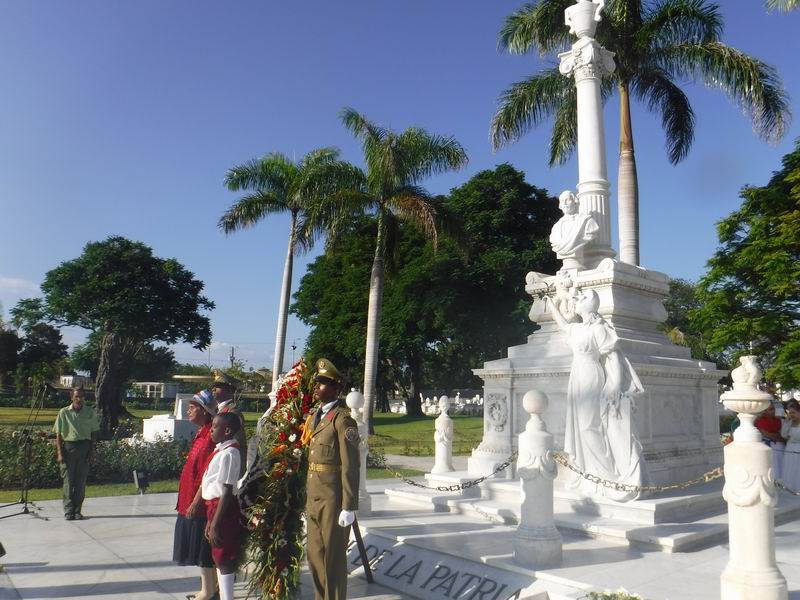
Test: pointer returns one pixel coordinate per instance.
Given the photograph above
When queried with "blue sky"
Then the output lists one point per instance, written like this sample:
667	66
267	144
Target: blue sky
121	118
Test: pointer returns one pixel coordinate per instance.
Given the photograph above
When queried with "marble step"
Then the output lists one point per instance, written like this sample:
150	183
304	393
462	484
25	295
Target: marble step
676	536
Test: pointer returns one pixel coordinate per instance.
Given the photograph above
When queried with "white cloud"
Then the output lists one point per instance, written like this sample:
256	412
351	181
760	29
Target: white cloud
13	286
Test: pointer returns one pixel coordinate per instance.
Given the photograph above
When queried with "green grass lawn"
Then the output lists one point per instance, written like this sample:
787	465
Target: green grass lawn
156	487
394	434
413	436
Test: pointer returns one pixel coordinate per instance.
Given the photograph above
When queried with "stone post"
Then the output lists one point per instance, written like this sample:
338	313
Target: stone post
537	543
751	572
588	61
443	439
355	401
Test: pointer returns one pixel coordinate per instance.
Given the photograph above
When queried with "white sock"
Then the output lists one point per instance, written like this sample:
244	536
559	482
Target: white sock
225	586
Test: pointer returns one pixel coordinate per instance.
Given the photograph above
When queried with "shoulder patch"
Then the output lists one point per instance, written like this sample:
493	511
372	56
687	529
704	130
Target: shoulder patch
351	435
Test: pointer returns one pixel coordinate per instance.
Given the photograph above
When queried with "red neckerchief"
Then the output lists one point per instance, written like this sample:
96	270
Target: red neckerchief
214	453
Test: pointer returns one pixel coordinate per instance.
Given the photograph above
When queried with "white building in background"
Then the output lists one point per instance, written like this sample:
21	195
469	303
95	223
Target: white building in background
155	389
68	381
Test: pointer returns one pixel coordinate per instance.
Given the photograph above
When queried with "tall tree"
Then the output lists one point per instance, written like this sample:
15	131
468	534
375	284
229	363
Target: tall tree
151	363
389	189
277	184
655	46
683	299
750	297
434	329
121	292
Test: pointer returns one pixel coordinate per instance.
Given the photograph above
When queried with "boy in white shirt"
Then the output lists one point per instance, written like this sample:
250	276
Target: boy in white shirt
219	489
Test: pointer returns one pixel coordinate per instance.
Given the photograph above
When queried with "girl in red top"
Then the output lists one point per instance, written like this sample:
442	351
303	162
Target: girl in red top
190	547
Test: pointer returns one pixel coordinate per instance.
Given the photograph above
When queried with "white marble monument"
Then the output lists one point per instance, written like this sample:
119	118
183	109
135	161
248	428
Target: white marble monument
674	410
175	426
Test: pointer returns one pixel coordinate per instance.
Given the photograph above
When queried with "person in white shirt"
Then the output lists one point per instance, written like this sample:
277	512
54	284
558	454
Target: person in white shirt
219	489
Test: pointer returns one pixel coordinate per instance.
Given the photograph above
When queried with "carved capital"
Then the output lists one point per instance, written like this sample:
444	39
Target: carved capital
745	489
587	59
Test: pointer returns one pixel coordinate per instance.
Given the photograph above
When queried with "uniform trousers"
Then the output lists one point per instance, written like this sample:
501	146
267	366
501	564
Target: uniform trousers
74	470
327	548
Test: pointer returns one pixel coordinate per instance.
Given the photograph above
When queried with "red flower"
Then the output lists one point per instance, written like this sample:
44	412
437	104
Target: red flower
282	436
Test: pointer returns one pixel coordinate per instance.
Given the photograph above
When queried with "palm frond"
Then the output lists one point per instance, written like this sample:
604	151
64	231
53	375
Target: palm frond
541	25
272	172
415	205
783	5
361	127
654	87
527	103
681	22
565	129
424	154
751	83
332	214
250	209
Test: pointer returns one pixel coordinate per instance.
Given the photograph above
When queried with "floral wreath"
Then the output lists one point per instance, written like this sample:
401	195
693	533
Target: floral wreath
275	543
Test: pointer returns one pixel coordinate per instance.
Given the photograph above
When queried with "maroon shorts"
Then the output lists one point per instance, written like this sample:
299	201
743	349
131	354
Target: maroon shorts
230	528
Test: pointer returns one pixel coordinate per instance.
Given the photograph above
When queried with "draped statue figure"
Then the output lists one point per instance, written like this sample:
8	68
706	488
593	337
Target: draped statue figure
600	436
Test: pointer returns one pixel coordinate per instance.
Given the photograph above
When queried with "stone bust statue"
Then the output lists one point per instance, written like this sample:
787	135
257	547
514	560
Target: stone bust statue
573	231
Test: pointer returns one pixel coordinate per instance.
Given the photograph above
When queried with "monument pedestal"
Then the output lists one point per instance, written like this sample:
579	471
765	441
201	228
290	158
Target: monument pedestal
676	418
160	427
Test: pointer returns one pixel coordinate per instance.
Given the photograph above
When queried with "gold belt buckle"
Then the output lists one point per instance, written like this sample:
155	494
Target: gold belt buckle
323	468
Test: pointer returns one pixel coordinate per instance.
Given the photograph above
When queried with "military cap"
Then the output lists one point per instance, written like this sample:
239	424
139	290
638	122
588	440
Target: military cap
223	379
326	370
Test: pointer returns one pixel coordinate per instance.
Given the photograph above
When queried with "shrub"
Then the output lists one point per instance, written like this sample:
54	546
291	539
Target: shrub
112	461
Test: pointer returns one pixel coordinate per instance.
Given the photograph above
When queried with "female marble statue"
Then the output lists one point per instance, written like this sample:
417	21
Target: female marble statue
600	437
443	437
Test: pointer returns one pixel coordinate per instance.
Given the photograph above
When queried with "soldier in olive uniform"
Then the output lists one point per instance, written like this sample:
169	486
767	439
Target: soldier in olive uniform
332	484
224	389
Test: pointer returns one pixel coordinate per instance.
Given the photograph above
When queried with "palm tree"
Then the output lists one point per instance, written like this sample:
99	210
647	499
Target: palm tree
277	184
655	45
395	164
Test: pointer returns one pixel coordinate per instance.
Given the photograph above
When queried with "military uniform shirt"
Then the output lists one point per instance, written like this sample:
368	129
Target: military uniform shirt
335	447
76	426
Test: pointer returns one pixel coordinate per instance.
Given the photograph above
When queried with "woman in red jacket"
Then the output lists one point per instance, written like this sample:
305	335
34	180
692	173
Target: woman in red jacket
190	546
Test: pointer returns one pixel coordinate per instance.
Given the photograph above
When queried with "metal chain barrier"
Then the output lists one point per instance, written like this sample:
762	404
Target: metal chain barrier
786	488
564	461
381	462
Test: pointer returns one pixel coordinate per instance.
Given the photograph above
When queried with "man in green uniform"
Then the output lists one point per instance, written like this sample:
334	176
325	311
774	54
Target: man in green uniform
75	427
224	389
332	484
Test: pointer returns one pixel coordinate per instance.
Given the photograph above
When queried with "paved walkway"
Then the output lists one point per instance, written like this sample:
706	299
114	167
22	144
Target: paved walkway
122	550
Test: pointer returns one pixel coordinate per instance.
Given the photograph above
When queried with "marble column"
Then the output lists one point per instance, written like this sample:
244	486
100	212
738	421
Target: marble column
751	572
355	401
587	62
537	543
443	439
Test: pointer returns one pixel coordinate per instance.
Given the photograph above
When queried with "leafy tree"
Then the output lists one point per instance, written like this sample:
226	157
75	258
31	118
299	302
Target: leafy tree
389	189
277	185
434	327
10	345
750	297
655	46
683	299
41	353
151	363
129	298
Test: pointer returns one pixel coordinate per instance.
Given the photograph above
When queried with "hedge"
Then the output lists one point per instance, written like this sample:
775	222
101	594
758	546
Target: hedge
112	461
